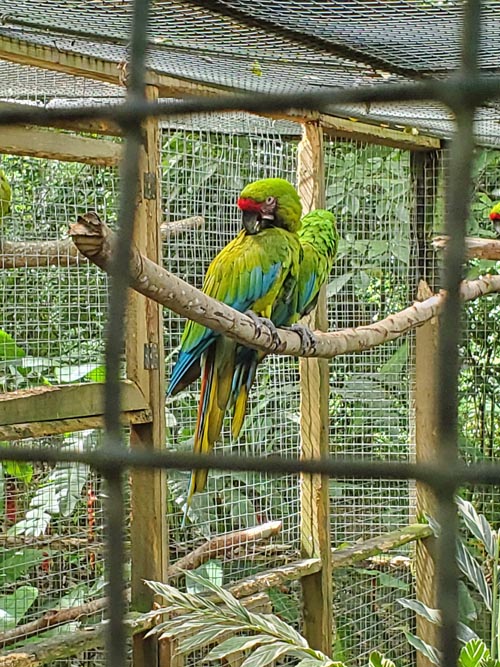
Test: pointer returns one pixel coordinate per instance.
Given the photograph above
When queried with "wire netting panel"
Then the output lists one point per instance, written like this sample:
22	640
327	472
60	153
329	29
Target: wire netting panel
370	190
203	172
52	551
53	313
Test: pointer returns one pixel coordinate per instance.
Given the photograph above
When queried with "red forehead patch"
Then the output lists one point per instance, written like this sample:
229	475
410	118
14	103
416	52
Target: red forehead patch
495	215
248	204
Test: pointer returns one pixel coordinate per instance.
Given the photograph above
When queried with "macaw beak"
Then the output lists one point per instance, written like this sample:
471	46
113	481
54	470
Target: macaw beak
252	221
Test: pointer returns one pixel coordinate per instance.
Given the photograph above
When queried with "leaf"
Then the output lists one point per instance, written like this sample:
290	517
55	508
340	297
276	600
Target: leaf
77	372
212	571
19	469
392	582
9	348
266	655
204	636
430	614
378	660
428	651
237	644
396	364
15	565
467	608
336	285
477	524
472	570
14	606
34	524
473	654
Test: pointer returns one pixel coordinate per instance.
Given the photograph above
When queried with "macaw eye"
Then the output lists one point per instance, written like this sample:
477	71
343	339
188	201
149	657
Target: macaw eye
270	200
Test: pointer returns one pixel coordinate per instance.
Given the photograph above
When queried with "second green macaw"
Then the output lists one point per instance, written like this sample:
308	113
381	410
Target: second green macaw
5	196
319	241
495	216
255	269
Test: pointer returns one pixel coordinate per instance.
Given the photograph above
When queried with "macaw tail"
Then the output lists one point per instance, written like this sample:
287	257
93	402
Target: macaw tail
216	376
243	379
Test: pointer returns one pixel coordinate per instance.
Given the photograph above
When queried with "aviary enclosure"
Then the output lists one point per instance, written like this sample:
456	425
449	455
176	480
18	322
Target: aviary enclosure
339	556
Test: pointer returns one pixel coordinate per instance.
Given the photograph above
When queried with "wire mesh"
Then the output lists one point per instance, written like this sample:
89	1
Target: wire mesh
371	429
203	172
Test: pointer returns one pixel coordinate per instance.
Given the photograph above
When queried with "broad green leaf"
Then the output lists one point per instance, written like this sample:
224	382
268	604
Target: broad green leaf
467	607
266	655
477	524
237	644
428	651
396	364
336	285
21	470
473	654
392	582
378	660
9	348
14	606
472	570
212	571
15	565
34	524
68	374
430	614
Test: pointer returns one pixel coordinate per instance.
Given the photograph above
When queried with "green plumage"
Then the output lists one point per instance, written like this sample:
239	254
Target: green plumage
319	241
248	274
5	196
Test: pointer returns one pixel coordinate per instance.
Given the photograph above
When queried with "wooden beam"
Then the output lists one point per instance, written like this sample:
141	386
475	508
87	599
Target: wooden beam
475	247
317	594
73	401
45	428
376	134
146	367
90	67
38	142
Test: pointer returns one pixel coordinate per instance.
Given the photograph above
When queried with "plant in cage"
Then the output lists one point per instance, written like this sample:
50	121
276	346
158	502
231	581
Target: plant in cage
478	558
200	621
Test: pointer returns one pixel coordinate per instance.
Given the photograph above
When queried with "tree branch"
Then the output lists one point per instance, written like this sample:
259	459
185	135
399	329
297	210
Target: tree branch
476	247
96	241
222	545
63	252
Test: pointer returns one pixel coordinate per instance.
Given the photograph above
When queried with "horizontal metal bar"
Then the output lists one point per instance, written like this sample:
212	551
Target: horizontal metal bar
434	475
454	92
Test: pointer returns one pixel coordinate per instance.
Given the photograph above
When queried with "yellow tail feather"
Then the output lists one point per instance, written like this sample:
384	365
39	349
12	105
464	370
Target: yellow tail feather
239	412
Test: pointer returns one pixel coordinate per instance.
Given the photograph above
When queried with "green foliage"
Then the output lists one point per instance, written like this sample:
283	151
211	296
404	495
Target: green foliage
199	622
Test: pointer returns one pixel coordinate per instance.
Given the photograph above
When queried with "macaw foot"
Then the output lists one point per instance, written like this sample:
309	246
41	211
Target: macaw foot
307	338
259	322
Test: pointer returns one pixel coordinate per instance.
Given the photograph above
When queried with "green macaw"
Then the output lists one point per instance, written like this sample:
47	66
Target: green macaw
249	274
495	216
319	240
5	195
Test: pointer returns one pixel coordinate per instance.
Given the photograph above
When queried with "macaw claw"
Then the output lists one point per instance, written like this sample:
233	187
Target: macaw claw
308	340
265	321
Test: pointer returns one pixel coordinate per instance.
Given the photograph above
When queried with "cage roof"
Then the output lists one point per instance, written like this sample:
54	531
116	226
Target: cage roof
265	46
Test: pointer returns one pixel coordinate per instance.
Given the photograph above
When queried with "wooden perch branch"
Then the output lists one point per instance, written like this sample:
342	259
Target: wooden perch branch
223	545
65	645
96	241
476	247
32	254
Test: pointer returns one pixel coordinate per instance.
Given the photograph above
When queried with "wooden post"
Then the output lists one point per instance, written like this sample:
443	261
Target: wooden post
425	451
317	588
145	366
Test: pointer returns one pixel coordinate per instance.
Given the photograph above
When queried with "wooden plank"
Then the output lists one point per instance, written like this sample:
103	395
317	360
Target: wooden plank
317	594
42	429
149	537
376	134
426	357
38	142
90	67
74	401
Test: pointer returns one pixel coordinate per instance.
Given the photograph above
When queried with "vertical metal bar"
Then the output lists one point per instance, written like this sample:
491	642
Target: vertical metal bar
460	181
115	555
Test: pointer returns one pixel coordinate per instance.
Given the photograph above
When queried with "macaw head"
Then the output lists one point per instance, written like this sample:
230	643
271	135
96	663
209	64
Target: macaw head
495	216
271	202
